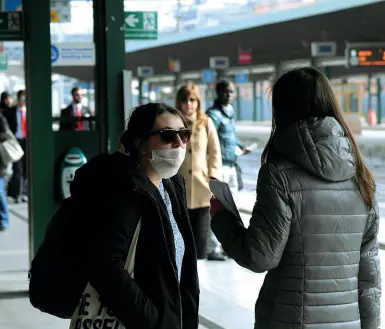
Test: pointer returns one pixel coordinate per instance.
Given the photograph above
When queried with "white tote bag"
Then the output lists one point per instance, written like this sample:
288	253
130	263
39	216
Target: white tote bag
10	150
90	312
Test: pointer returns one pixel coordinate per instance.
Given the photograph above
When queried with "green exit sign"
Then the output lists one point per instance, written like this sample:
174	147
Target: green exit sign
141	25
11	25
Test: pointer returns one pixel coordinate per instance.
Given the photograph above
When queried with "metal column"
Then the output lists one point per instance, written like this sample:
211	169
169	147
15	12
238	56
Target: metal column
178	80
220	75
255	101
140	90
379	105
261	107
369	91
110	63
40	146
238	102
328	72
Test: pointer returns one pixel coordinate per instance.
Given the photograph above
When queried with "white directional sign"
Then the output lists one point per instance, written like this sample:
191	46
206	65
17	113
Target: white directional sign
131	20
73	54
321	49
219	63
145	71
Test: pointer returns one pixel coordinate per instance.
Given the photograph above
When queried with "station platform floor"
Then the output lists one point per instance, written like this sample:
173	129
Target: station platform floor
228	292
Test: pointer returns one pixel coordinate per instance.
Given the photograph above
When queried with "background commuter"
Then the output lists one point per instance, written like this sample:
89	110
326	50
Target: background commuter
4	214
222	114
315	222
17	121
203	161
5	100
70	118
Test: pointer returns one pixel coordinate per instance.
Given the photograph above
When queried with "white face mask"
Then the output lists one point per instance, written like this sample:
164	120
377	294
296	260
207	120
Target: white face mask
167	162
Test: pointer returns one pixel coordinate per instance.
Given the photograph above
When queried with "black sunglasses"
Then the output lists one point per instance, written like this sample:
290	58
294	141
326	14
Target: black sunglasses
188	99
169	136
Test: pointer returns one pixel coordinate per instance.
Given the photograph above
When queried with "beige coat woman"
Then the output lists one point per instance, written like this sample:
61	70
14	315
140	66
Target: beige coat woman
203	161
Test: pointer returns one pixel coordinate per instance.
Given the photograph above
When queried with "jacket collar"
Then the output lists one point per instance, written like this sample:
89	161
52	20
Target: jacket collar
220	108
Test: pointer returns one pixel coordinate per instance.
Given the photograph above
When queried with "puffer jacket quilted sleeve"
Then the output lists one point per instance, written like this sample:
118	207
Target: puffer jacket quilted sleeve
369	278
260	246
313	233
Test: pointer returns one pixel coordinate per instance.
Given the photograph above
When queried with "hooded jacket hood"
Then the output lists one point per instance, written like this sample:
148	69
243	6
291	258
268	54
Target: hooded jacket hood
319	146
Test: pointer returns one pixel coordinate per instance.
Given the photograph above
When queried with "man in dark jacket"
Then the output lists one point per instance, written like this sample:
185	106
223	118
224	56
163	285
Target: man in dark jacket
70	118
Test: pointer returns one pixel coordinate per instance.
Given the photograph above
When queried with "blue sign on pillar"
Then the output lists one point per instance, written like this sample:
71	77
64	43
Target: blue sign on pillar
208	76
12	5
242	77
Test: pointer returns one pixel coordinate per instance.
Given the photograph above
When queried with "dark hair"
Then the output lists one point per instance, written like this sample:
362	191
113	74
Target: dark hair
74	90
304	93
141	123
20	93
4	96
221	85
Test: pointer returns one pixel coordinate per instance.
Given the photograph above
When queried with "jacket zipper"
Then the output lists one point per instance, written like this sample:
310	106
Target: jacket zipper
175	272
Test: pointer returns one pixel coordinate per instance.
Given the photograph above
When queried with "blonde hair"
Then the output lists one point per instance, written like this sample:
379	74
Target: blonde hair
187	90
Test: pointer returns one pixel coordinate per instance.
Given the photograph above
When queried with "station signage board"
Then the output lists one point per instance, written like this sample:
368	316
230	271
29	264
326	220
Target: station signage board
323	49
219	63
145	71
242	77
73	54
208	76
174	65
365	54
244	57
141	25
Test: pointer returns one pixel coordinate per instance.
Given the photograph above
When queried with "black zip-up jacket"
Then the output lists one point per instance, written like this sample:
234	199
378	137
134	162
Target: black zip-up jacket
119	194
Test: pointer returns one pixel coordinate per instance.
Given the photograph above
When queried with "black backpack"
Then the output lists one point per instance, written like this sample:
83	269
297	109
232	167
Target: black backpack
58	274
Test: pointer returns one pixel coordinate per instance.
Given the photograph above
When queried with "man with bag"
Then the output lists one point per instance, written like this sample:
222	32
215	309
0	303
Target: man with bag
17	121
4	135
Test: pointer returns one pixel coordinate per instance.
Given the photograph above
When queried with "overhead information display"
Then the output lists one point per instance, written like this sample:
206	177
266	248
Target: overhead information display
365	54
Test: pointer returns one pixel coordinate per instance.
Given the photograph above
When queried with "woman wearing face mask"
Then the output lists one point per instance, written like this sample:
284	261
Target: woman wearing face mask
139	183
203	161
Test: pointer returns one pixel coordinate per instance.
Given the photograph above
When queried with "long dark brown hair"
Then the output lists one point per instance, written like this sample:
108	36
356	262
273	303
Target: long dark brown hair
304	93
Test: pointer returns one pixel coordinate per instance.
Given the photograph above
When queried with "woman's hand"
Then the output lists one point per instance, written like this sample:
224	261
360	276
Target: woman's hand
215	206
246	150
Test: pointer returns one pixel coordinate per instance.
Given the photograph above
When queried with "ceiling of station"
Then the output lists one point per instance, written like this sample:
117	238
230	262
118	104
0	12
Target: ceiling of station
269	44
